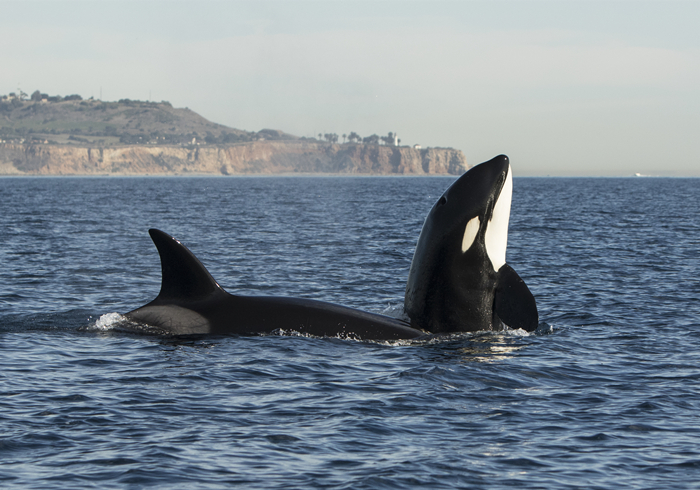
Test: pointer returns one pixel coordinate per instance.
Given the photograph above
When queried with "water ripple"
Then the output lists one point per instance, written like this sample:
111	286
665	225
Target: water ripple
605	391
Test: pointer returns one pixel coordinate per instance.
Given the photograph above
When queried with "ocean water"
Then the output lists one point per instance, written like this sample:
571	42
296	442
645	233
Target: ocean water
606	394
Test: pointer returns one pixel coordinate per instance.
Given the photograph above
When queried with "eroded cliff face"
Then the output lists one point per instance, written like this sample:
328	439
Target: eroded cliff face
261	157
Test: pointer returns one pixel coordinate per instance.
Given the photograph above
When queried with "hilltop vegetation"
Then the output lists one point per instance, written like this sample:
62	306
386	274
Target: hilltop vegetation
72	120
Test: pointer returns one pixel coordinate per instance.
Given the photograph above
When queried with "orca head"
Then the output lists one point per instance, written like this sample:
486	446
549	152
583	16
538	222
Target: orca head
473	213
460	258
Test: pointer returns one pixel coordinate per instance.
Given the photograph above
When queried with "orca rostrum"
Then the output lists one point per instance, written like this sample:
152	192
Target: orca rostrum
459	280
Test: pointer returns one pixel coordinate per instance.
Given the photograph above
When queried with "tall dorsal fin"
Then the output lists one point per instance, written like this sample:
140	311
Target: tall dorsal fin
184	276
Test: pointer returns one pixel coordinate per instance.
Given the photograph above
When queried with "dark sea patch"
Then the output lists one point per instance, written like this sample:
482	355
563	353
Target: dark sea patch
604	395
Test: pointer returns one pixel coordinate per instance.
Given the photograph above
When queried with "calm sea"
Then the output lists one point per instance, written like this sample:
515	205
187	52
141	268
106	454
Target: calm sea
605	395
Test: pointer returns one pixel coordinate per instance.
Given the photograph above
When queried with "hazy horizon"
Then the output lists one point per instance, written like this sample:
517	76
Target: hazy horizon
563	87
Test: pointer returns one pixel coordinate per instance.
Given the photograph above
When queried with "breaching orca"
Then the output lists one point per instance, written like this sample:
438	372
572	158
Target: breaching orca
459	280
192	302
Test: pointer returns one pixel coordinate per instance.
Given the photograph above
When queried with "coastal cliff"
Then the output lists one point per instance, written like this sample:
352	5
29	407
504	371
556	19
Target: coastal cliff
258	157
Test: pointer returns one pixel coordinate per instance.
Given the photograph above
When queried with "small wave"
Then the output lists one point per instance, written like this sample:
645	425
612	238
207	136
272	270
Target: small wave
544	329
281	332
115	322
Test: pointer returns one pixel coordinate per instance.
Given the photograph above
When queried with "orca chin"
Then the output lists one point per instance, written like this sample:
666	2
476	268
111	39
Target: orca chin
458	281
191	302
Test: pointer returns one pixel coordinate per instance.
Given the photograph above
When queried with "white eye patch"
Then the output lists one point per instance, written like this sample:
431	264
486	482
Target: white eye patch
470	232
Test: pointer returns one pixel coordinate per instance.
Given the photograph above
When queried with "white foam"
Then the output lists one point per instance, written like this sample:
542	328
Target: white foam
516	332
108	321
496	237
470	232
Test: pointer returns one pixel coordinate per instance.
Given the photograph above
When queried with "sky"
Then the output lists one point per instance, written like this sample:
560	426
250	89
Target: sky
563	87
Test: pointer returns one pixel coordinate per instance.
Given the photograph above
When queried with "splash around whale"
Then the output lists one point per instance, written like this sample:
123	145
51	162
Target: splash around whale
458	280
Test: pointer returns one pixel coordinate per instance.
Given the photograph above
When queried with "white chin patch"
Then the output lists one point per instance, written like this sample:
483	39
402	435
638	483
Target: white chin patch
496	237
470	232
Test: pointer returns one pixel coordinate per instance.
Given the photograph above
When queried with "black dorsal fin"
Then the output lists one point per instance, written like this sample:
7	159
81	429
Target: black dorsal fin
184	276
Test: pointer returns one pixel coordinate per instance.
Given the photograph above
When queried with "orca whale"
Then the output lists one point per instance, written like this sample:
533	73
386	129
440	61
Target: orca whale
459	280
192	302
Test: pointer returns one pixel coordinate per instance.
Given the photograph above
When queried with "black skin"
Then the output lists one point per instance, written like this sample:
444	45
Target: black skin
192	302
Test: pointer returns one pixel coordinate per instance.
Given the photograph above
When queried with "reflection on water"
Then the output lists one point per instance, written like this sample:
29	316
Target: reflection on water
493	349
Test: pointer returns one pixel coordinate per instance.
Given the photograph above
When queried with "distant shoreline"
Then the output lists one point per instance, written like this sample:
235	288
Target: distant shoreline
253	158
220	176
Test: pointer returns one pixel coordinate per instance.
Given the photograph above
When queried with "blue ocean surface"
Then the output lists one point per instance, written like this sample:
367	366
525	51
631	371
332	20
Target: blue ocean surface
606	394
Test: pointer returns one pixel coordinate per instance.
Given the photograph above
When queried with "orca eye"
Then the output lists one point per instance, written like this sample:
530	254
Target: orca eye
442	201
